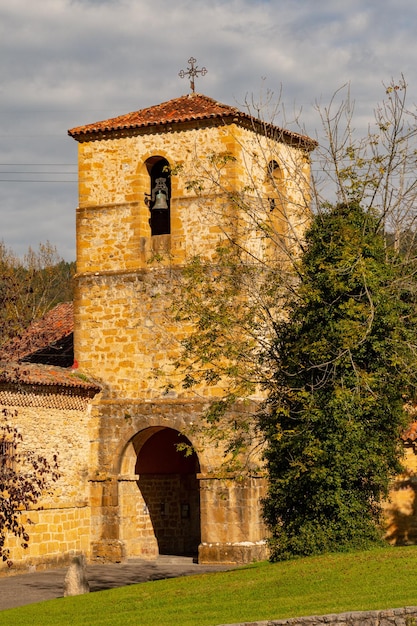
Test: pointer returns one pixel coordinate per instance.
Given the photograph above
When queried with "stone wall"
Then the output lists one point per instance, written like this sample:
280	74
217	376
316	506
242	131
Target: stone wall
125	277
60	520
113	229
231	513
173	504
406	616
125	334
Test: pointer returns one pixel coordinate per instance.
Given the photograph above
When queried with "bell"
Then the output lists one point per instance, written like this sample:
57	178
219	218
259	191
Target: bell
160	201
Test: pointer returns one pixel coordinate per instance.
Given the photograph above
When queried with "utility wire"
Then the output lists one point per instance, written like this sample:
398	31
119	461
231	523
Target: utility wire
38	165
19	175
23	180
41	173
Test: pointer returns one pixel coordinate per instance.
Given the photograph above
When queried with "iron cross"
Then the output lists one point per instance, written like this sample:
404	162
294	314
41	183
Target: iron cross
192	72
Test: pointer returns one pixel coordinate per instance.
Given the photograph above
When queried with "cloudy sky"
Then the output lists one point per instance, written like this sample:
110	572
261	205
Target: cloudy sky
65	63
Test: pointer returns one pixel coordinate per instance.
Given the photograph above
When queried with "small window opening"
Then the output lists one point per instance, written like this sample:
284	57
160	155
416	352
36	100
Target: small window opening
159	198
272	167
274	184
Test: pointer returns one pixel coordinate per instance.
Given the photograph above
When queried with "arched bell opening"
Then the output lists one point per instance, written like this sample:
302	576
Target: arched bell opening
274	184
158	199
276	212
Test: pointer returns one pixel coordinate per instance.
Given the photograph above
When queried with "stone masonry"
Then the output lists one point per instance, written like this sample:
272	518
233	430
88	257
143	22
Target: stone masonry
405	616
53	416
126	276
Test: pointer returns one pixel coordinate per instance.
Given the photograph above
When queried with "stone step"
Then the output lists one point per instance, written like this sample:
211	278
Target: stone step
168	559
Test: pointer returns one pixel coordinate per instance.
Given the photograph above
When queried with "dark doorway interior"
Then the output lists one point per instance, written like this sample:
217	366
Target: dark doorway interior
170	488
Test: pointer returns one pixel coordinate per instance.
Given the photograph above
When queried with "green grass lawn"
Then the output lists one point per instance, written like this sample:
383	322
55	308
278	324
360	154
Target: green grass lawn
376	579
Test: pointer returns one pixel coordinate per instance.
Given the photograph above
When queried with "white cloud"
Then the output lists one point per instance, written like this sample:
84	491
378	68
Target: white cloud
70	62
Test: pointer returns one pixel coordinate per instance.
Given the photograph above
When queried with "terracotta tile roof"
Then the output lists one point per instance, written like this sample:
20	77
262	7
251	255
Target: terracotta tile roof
46	340
44	375
193	107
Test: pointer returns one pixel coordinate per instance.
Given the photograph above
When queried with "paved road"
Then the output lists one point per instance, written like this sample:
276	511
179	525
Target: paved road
18	590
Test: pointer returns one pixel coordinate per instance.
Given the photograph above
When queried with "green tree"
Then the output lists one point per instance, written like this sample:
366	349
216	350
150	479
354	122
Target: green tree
343	362
229	304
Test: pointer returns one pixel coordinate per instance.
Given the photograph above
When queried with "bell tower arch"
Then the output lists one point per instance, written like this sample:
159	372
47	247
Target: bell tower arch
159	197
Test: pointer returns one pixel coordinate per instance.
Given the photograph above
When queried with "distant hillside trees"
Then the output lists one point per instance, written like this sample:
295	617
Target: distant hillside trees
31	286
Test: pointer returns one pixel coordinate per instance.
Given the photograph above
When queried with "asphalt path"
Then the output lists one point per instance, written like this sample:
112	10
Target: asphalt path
18	590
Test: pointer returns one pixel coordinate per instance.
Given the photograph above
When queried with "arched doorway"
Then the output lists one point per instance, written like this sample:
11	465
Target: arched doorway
165	488
169	487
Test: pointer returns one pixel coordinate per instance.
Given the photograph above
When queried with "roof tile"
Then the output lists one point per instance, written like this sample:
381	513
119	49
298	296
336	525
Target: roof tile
44	375
52	328
192	107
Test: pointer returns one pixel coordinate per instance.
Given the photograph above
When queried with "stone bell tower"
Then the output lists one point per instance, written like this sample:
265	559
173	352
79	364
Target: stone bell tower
138	220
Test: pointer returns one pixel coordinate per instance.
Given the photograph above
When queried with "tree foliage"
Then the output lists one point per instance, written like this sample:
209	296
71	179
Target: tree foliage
228	303
31	286
343	369
25	476
377	169
321	333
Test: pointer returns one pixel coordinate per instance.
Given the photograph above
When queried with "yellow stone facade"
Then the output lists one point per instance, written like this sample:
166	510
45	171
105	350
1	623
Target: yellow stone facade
125	280
60	522
124	274
401	507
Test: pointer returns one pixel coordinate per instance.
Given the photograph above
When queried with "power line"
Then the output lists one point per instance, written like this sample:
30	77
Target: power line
38	164
36	170
23	180
32	172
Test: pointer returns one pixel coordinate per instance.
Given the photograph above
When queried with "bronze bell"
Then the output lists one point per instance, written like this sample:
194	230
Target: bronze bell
160	201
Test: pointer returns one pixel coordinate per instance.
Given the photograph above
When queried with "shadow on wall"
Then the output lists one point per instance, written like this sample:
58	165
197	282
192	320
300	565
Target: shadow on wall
402	512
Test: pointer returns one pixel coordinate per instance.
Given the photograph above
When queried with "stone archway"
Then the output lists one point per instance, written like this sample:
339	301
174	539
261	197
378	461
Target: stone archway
159	499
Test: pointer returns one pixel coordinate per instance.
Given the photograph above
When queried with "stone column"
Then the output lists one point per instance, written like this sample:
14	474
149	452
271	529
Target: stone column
232	530
105	543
